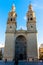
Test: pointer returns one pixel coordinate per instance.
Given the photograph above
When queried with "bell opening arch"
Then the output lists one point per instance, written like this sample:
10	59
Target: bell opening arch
21	48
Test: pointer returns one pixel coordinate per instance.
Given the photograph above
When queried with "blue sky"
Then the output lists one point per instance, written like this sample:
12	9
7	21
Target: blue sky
21	10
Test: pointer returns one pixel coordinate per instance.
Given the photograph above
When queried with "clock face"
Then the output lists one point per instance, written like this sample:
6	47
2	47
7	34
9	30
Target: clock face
10	26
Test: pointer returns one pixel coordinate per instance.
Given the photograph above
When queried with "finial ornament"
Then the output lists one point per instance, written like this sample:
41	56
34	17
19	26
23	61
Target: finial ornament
30	6
13	7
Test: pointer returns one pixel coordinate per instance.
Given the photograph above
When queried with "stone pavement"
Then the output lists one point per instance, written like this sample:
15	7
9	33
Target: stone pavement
21	63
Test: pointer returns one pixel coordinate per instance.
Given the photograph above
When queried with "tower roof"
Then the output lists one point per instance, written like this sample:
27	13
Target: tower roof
12	12
13	7
30	7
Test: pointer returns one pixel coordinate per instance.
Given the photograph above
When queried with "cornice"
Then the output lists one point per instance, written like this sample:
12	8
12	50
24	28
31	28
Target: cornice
31	22
19	32
9	22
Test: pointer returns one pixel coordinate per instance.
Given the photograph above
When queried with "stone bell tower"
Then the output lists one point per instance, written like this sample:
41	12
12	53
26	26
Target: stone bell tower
32	33
10	30
31	20
11	24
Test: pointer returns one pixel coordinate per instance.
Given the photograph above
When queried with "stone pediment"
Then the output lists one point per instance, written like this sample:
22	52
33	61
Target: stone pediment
21	30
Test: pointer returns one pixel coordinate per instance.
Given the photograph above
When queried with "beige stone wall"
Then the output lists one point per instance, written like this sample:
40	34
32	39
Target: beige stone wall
32	50
12	29
31	27
9	46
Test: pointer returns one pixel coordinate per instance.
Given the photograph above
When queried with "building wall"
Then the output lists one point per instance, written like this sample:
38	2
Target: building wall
30	34
41	53
32	50
31	38
9	46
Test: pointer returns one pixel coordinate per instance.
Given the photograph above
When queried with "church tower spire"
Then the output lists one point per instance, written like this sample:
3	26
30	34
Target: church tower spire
30	7
13	8
31	19
11	23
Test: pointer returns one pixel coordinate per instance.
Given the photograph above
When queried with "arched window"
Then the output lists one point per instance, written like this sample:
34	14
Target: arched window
11	19
31	18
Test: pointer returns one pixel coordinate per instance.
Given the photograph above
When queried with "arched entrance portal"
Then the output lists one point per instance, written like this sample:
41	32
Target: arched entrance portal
20	48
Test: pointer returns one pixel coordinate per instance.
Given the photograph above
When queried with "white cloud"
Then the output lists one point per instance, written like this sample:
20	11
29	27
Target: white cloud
22	27
37	6
25	18
1	45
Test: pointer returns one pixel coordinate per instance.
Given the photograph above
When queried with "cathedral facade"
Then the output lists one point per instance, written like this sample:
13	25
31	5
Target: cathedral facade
21	44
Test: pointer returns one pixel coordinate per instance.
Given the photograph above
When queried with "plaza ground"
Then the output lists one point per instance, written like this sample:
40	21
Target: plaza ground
21	63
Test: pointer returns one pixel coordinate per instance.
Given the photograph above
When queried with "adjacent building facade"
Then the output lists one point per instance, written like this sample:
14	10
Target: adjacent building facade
41	51
21	44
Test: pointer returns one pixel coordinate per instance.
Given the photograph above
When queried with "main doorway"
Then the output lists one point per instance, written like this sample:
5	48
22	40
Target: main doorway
21	48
